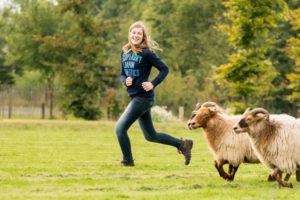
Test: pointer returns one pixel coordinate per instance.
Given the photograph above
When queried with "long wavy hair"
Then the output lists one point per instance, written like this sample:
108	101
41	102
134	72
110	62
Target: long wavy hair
147	42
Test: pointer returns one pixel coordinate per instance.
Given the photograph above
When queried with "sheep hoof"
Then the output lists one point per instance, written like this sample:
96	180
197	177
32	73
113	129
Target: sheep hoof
290	185
230	178
271	178
285	184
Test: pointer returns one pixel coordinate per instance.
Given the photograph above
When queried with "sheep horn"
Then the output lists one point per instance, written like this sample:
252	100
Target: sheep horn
198	105
260	110
248	110
209	104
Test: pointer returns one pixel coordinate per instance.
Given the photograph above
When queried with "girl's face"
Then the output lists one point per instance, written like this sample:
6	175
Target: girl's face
136	36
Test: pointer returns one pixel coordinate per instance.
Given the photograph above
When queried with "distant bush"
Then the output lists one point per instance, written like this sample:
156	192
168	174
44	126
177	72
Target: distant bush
161	114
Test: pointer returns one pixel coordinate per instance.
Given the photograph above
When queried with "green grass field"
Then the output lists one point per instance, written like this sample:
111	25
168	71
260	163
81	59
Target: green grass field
43	159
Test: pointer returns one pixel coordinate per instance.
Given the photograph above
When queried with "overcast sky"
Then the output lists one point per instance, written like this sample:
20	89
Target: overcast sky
3	2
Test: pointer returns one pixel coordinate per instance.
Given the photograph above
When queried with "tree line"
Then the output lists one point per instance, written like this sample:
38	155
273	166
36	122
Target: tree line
239	53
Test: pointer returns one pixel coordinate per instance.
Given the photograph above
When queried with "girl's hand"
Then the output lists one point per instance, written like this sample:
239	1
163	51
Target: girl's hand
128	81
147	86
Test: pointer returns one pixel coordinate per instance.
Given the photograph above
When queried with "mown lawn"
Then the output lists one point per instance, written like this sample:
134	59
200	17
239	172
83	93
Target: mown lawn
43	159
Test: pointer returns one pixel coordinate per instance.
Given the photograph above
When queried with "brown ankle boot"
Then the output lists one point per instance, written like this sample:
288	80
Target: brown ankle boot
185	149
127	163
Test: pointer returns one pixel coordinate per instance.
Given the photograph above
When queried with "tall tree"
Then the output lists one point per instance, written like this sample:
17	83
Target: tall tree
283	64
186	31
6	71
83	75
293	50
32	20
249	74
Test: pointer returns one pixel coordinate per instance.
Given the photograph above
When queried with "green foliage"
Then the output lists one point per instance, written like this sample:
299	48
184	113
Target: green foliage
250	73
283	64
251	22
78	43
111	103
6	71
178	90
83	76
29	89
36	19
27	25
186	31
245	73
293	51
29	81
6	74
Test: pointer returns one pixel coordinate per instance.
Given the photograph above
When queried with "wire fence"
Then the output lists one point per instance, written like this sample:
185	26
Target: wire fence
27	104
20	103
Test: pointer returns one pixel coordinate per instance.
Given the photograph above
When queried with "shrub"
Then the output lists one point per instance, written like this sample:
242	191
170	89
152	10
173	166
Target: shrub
161	114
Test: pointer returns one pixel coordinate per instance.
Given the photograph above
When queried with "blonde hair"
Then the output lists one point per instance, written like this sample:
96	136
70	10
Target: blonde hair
147	42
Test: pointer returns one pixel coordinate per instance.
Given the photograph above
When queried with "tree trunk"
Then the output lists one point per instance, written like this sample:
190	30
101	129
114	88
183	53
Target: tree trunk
181	113
43	110
1	103
51	97
10	101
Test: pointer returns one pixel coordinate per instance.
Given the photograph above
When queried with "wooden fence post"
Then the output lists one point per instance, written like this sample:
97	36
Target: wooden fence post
181	113
10	102
43	110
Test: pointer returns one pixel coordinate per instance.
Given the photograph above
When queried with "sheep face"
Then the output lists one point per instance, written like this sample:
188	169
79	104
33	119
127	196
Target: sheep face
201	116
251	117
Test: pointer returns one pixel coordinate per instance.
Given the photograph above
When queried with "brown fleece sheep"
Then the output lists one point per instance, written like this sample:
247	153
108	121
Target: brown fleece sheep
225	145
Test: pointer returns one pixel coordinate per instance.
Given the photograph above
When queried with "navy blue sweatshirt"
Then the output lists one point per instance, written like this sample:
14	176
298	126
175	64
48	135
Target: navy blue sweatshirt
138	66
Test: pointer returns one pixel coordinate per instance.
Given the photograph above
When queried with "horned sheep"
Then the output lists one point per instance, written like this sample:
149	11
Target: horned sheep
275	141
225	145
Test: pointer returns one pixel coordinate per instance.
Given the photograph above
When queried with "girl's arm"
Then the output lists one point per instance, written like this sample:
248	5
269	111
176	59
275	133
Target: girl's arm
160	65
122	72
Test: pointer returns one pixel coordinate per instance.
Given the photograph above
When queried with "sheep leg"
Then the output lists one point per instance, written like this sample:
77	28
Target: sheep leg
287	177
231	171
279	181
219	166
272	177
298	175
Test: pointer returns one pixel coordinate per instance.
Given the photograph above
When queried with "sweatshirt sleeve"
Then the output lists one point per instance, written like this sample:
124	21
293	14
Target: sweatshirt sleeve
160	65
122	72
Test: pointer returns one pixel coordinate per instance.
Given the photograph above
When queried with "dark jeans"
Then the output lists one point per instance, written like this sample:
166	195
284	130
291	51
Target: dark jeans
140	108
